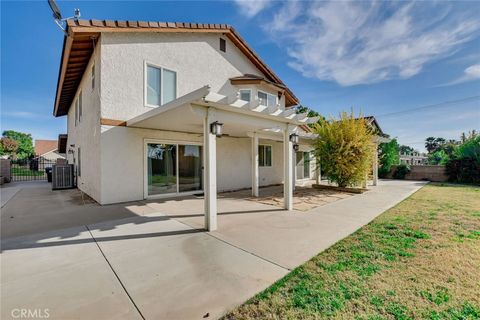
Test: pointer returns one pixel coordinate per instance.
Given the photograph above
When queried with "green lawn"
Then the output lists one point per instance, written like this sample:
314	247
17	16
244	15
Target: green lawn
25	172
418	260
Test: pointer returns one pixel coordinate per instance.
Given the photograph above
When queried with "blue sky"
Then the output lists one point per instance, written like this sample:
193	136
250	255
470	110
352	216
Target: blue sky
375	57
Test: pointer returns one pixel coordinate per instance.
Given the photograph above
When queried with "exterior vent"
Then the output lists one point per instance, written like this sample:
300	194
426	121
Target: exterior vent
62	176
223	45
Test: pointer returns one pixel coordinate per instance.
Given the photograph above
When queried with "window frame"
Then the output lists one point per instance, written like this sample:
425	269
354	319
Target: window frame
268	94
79	162
249	92
145	83
224	42
92	77
260	146
80	103
76	111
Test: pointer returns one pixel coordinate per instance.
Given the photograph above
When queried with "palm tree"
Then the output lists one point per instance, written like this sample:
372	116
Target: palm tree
431	144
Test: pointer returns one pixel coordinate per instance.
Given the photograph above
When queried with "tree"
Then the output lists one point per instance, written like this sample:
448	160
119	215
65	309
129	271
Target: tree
8	146
388	154
430	144
310	113
24	142
345	148
439	157
406	149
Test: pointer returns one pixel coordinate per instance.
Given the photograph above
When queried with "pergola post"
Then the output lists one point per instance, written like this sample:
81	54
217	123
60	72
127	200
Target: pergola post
375	165
210	172
255	165
288	170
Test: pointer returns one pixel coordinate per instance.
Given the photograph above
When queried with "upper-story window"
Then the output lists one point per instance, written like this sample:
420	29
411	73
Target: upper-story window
160	86
267	99
245	94
93	76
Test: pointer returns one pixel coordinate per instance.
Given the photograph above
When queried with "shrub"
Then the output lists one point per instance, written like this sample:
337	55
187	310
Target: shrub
388	154
439	157
401	171
463	170
345	148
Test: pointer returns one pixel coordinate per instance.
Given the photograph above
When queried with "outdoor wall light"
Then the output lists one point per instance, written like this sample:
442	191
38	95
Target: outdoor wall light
216	128
296	147
294	138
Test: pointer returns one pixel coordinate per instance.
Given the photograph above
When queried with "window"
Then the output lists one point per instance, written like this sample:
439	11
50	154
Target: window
80	107
267	99
161	86
223	45
79	165
76	112
264	156
245	94
93	77
306	165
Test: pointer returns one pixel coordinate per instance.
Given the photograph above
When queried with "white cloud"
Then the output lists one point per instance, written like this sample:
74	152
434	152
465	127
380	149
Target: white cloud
251	8
469	74
24	114
367	42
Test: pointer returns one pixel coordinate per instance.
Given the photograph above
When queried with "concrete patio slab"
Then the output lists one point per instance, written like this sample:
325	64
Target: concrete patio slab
289	238
156	261
69	281
184	276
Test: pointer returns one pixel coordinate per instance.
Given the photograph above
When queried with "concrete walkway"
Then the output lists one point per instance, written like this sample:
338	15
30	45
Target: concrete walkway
158	262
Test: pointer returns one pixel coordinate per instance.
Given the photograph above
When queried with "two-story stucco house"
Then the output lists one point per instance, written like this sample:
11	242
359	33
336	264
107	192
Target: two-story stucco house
146	102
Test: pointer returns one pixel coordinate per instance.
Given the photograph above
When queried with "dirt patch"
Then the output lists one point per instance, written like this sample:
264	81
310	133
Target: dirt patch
304	198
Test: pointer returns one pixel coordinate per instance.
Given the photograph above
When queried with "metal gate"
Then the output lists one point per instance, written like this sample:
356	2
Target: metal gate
30	169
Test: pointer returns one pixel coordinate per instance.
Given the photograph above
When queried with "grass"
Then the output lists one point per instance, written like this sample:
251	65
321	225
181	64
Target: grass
418	260
26	172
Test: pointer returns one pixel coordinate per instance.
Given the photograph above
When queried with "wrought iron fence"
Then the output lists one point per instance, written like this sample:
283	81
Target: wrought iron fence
30	169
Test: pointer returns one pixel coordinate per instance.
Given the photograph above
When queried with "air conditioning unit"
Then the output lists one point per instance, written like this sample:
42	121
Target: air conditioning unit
62	176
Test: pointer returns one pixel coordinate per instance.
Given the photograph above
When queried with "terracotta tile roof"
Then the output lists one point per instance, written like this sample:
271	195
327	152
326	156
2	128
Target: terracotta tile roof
82	34
44	146
146	24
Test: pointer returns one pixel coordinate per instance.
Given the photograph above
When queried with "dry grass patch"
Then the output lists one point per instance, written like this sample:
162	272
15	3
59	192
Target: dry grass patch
419	260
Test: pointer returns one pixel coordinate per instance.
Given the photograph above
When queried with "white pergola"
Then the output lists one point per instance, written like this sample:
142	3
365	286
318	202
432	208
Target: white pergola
197	110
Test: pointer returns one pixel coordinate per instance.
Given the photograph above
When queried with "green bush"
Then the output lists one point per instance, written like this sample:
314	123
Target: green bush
345	148
388	154
464	171
401	171
439	157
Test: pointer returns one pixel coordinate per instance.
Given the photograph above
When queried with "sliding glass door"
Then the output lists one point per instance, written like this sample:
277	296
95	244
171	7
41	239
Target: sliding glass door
173	168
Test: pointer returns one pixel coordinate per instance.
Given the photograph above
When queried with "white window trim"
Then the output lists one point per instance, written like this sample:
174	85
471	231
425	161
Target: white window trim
268	94
240	93
151	64
271	154
145	168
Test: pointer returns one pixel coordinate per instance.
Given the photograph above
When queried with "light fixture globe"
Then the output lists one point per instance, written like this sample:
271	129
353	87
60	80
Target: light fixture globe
294	138
216	128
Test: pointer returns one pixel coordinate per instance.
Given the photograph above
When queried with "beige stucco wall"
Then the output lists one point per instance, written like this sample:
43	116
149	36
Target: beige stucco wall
196	58
113	157
123	157
86	134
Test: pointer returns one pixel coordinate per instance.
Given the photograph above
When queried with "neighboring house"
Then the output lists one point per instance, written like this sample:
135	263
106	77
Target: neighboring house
414	158
144	101
48	150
